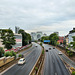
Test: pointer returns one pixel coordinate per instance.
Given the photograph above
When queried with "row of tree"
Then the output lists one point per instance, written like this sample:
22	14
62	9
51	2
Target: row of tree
26	38
53	38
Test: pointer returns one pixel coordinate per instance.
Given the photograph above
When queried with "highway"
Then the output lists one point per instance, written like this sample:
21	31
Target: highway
66	59
31	59
53	64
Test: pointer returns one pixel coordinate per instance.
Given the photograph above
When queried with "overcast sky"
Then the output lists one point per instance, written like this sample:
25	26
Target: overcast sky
38	15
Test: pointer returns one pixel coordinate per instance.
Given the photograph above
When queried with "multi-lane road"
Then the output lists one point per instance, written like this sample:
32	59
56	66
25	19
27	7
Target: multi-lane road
31	59
53	64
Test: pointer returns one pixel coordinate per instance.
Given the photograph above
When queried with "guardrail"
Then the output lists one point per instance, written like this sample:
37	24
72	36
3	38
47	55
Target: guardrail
38	66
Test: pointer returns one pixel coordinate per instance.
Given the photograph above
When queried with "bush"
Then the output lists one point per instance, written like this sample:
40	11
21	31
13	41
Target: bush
70	53
20	55
11	53
7	54
1	52
73	73
41	43
43	52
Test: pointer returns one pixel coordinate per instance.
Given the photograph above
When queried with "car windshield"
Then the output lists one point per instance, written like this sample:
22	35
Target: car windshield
20	60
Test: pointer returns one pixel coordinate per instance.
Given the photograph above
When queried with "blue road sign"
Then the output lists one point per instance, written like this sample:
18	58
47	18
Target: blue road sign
46	40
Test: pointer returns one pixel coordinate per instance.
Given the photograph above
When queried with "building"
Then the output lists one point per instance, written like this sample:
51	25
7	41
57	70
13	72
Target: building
33	36
61	39
57	33
18	38
66	39
44	34
36	35
16	29
39	35
71	34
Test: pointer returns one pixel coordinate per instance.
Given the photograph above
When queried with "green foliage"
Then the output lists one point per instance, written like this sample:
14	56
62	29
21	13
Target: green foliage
36	41
73	43
57	43
36	68
20	55
8	38
1	51
41	43
44	38
11	53
7	54
73	73
53	38
64	42
43	52
70	53
26	38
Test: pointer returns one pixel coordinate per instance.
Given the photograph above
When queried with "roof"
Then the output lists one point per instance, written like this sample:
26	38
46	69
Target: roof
22	59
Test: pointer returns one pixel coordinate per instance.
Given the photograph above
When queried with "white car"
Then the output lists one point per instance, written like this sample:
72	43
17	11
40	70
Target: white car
35	45
21	61
60	53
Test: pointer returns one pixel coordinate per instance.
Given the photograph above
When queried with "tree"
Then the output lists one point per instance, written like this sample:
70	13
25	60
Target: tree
8	38
73	43
64	42
26	38
53	38
44	38
1	52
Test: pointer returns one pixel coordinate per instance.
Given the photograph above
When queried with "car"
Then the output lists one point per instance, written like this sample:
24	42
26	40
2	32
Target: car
35	45
53	47
46	50
21	61
60	53
49	48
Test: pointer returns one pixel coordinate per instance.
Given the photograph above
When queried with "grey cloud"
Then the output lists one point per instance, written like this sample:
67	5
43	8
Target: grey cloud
29	14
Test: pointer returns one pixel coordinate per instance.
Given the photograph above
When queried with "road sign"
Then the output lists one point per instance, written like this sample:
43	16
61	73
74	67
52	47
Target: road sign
46	40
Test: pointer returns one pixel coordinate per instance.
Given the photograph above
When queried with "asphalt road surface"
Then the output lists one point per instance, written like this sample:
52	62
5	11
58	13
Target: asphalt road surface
66	59
30	62
53	64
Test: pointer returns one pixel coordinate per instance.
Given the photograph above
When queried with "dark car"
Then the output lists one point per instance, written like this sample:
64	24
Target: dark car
49	48
53	47
46	50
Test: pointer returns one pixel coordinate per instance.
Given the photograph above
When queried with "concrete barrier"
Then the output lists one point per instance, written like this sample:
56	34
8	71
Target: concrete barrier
38	65
5	60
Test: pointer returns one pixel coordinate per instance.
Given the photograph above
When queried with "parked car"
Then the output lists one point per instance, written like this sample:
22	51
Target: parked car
60	53
21	61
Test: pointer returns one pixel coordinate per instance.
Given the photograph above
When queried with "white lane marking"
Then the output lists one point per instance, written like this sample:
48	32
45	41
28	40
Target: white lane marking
23	66
55	73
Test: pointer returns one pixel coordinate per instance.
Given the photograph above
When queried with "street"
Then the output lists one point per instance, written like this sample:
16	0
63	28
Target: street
53	64
30	61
